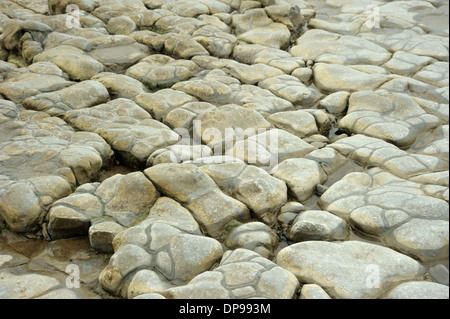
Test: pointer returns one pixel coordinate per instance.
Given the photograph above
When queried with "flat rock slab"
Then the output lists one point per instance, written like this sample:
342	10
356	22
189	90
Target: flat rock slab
43	159
159	71
338	77
262	193
72	60
375	152
393	117
241	274
397	210
419	290
191	186
164	250
348	270
38	78
78	96
95	203
326	47
127	127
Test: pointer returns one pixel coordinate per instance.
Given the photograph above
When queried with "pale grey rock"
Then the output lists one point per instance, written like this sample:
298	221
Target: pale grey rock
299	123
419	290
254	236
313	291
269	148
370	269
326	47
439	273
288	87
241	274
41	77
301	176
78	96
318	225
25	286
253	186
120	85
74	61
117	52
191	186
161	102
337	77
171	247
336	103
162	71
121	25
394	117
375	152
128	128
396	210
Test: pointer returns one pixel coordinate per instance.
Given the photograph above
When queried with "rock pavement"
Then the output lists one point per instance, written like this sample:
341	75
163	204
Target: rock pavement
224	149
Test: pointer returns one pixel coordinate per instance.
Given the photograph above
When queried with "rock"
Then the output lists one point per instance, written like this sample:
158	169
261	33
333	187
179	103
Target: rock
162	71
121	25
337	77
214	126
172	254
78	96
382	115
370	269
74	215
381	204
117	52
74	61
405	63
43	165
419	290
336	103
38	78
62	255
184	116
25	286
254	236
289	88
181	46
313	291
439	273
179	153
160	103
120	85
128	128
301	176
214	210
241	274
328	158
218	43
102	234
375	152
326	47
318	225
299	123
435	74
257	53
260	192
269	148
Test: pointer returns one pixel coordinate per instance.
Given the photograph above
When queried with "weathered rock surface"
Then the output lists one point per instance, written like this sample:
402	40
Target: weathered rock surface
224	149
322	263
